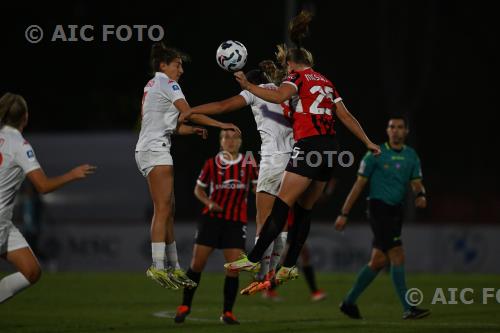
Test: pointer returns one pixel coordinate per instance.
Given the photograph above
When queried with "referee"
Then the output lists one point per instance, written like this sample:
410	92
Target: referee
388	175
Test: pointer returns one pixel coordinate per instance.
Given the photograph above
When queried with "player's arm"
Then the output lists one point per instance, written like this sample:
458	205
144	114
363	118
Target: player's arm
190	130
44	184
418	188
283	93
230	104
201	195
200	119
353	196
354	126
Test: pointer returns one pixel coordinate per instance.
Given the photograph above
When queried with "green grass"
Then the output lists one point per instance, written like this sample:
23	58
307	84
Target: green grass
117	302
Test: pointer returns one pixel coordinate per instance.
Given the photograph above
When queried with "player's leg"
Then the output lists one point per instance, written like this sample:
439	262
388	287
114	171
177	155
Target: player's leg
264	205
231	283
292	186
308	269
365	277
28	272
201	253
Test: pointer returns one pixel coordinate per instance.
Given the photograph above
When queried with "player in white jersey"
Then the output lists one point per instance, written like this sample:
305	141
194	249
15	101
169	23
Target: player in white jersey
164	109
277	142
17	161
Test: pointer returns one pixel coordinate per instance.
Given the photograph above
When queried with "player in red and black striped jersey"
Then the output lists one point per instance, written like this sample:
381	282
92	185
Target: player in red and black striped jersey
229	176
312	103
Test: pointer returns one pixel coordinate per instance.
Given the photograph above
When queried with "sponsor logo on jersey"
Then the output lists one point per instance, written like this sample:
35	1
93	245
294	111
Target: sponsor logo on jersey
30	154
231	184
176	87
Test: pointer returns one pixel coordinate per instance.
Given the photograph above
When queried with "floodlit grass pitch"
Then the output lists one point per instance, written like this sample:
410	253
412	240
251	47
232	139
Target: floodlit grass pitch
121	302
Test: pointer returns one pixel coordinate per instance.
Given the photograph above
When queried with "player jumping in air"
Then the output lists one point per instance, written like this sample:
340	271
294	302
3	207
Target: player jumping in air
163	109
312	101
17	161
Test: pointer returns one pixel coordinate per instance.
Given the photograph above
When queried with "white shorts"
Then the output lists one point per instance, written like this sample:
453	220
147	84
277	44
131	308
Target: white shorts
271	170
147	160
11	238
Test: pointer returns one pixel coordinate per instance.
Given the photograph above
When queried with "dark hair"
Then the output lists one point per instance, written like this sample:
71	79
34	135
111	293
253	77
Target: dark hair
298	29
400	117
160	53
268	72
13	109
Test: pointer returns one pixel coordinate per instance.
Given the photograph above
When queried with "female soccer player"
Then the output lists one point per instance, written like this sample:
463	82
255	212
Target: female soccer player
312	101
277	142
163	108
17	160
228	176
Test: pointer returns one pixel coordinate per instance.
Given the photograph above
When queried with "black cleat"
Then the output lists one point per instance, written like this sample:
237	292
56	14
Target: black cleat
182	313
416	313
350	310
229	318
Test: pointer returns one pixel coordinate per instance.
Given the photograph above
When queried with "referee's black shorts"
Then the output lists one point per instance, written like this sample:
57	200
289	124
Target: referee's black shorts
221	234
314	157
386	222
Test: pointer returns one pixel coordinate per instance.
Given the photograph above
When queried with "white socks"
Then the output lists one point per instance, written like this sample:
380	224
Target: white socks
278	248
158	254
11	285
160	250
173	260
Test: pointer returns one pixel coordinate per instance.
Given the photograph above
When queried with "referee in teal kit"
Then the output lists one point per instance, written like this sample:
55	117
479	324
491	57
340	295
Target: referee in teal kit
388	175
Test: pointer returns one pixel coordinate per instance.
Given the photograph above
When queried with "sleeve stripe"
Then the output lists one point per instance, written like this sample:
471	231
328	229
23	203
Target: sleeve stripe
202	184
361	175
338	99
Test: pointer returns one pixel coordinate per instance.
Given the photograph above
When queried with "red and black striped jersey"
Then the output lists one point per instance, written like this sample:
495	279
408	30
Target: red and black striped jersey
229	182
312	108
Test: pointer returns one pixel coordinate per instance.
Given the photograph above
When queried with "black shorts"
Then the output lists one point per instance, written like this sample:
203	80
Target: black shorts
314	157
220	233
386	222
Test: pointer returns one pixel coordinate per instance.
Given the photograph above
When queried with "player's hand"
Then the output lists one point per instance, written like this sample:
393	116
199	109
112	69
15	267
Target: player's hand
83	171
229	126
340	223
201	132
214	207
242	80
421	202
375	149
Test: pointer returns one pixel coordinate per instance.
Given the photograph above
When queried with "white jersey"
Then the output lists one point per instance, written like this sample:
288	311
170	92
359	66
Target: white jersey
275	130
159	115
17	158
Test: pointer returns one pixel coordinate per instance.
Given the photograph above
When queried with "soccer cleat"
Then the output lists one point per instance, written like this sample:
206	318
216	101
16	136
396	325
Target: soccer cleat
272	295
161	276
179	277
229	318
285	274
416	313
243	264
318	295
255	287
182	313
350	310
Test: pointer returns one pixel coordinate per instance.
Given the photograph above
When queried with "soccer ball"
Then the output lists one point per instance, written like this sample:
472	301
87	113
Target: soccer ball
231	55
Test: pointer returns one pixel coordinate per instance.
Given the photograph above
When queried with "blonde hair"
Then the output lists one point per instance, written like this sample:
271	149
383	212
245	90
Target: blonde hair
297	30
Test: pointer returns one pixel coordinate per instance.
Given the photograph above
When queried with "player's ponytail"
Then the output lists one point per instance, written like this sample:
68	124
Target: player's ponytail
13	109
161	53
298	29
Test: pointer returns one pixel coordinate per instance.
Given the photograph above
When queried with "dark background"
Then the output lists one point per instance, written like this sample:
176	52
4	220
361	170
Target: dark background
435	61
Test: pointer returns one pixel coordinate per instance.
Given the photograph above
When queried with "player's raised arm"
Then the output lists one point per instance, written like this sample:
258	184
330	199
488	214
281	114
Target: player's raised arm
354	126
282	94
44	184
228	105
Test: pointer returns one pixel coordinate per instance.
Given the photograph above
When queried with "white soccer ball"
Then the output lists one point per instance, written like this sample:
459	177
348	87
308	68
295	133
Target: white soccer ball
231	55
